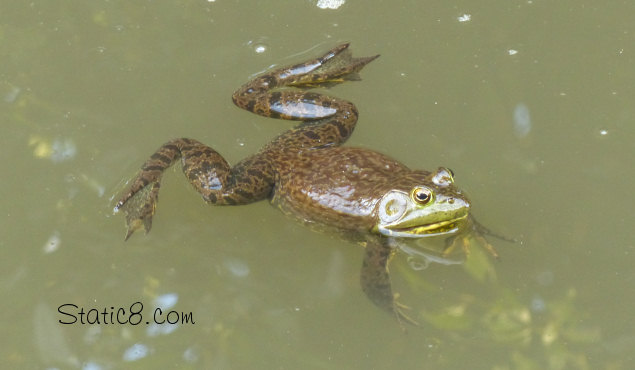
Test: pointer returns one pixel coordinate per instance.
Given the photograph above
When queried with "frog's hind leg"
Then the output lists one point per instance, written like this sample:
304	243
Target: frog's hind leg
336	66
261	95
205	169
328	120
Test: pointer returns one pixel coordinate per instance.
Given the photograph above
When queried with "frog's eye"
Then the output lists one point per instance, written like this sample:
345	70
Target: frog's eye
443	176
421	195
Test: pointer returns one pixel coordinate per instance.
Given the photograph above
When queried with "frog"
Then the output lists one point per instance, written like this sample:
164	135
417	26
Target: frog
360	194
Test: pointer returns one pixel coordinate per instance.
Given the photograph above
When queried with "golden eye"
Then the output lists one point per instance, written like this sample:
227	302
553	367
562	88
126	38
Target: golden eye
422	195
443	176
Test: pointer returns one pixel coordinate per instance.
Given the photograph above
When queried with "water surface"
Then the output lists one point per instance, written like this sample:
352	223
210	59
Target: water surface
529	102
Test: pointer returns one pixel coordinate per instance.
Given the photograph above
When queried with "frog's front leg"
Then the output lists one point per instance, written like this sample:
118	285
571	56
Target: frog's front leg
473	229
248	181
375	278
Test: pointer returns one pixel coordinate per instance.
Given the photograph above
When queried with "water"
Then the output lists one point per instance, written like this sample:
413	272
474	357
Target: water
530	103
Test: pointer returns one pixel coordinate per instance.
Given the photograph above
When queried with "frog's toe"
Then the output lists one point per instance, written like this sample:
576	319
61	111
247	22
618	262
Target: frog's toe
487	245
452	242
136	222
333	53
401	311
465	242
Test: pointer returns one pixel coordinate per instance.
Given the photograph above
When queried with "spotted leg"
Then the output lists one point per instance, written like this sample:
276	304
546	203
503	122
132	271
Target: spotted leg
328	120
248	181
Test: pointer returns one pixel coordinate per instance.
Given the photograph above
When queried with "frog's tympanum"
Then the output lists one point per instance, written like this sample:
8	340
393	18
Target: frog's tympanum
366	196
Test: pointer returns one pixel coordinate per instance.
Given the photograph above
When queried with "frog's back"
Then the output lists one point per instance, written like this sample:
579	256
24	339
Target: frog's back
335	186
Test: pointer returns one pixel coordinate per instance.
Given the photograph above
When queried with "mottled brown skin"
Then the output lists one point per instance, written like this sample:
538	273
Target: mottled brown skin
304	171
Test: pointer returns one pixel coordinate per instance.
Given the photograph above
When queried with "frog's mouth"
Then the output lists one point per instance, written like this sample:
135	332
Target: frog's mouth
420	231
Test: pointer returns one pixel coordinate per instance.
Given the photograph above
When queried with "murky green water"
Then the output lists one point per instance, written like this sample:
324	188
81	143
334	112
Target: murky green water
529	102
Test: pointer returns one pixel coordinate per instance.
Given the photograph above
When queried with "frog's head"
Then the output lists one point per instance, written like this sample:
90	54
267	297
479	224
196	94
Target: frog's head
422	206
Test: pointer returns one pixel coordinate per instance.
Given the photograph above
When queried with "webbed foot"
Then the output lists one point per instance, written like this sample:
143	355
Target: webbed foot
400	310
336	66
140	200
139	208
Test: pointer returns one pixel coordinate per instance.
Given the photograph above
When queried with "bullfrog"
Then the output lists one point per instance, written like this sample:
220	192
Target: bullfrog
363	195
